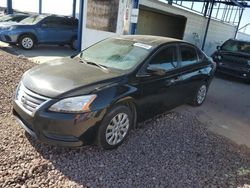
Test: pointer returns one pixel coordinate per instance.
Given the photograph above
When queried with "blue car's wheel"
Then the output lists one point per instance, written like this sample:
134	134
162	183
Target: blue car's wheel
73	43
27	42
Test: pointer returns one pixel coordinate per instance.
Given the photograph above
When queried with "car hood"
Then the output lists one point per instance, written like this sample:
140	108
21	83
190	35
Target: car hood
54	79
8	25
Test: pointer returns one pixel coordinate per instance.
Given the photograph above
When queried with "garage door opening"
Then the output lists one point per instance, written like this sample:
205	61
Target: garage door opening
152	22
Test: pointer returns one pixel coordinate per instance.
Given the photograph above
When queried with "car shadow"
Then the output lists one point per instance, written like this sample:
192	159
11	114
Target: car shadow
39	51
170	150
230	78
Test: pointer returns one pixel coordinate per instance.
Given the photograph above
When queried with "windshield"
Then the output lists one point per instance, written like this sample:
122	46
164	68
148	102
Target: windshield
117	53
236	46
6	18
33	19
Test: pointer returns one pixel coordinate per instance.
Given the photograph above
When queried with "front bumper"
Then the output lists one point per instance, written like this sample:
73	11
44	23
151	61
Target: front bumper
8	37
239	72
61	129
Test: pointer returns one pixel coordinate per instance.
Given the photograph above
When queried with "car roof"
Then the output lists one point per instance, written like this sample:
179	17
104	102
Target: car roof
149	39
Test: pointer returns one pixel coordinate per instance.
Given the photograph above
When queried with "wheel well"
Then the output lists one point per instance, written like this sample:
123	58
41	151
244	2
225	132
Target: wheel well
30	34
129	102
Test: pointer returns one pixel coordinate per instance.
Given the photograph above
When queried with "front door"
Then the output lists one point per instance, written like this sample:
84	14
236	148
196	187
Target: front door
54	30
161	91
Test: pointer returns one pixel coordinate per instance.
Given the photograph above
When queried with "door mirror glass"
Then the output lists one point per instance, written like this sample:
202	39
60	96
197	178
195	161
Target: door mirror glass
44	25
218	48
156	70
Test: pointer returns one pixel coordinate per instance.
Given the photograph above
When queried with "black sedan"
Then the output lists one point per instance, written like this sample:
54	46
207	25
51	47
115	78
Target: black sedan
233	58
99	94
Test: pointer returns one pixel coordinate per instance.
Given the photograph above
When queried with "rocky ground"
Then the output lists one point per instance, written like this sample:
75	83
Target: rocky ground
170	150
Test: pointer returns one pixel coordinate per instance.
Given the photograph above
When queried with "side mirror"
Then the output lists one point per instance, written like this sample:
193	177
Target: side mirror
44	25
218	47
155	70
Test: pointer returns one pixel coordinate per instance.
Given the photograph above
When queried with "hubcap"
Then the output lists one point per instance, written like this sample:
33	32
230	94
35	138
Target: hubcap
117	129
201	94
27	42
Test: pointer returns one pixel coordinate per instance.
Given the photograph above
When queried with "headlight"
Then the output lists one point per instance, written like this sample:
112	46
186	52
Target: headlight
248	62
12	28
73	104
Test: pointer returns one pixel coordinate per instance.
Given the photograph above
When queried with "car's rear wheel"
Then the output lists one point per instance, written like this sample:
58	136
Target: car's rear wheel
199	96
73	43
27	42
115	127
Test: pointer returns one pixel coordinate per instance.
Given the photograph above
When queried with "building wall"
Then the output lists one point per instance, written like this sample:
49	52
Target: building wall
91	36
195	27
243	36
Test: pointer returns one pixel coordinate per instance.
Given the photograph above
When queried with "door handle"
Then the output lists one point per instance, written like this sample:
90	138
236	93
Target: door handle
172	81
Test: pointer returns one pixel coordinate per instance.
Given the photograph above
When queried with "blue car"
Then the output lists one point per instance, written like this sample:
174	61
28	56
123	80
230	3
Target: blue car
41	29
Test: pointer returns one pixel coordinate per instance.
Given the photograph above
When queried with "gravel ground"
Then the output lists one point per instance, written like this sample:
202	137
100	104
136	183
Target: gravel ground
170	150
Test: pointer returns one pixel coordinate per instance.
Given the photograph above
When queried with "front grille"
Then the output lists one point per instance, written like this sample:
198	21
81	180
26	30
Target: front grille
235	61
28	100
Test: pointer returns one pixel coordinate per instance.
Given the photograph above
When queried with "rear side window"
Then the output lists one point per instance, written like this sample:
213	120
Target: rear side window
55	22
166	59
188	55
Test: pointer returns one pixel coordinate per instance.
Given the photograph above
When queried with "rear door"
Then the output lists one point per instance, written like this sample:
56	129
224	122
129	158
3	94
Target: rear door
192	68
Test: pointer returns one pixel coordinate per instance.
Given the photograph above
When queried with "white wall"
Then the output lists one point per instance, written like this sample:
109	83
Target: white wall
243	36
195	27
91	36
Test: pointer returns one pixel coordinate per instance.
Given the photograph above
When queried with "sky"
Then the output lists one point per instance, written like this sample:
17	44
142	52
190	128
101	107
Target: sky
64	7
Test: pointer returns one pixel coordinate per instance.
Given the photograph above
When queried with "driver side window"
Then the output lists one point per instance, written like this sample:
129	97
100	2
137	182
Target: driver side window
166	59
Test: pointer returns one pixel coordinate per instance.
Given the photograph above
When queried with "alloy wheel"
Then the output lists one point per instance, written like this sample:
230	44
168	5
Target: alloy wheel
117	129
27	43
201	94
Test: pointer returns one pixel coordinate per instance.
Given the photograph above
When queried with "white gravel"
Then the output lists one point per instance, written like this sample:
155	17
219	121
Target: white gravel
171	150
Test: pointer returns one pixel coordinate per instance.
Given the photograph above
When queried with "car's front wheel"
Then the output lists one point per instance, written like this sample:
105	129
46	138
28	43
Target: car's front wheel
115	127
199	96
27	42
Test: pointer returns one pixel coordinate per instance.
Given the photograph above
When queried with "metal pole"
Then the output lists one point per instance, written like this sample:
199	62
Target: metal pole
133	25
208	23
80	26
206	8
74	9
237	28
9	7
40	6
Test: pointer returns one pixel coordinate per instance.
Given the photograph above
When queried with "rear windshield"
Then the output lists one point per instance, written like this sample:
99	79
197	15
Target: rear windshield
236	46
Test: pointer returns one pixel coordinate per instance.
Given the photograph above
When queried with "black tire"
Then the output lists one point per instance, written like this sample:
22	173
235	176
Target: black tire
73	43
195	100
30	41
117	110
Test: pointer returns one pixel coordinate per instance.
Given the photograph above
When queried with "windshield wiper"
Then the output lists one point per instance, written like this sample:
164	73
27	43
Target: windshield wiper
93	63
98	65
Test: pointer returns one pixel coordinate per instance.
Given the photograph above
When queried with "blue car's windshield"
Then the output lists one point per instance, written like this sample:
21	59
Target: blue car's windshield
117	53
33	19
6	18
